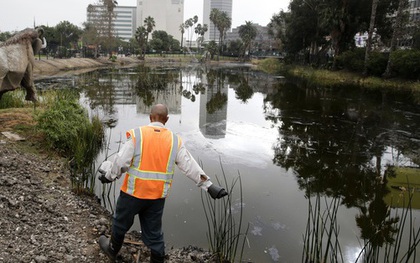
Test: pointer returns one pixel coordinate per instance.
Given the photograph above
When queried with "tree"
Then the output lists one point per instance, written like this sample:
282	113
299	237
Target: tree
109	16
235	47
212	48
5	36
214	17
370	33
247	32
141	33
162	41
222	22
312	27
66	36
188	25
200	30
149	24
91	40
182	30
397	33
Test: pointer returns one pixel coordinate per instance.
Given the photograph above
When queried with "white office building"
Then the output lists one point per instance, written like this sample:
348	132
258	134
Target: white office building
124	25
168	16
221	5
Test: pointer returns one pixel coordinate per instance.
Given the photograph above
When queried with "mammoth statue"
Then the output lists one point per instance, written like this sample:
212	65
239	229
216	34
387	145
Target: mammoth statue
17	61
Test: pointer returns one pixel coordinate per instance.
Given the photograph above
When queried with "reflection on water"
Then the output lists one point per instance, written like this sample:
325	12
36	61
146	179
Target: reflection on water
290	143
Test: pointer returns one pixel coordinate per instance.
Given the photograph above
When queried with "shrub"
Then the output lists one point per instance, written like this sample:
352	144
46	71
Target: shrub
13	99
377	63
406	63
352	60
68	130
62	124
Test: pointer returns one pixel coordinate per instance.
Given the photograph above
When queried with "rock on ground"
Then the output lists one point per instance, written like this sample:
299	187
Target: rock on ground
43	220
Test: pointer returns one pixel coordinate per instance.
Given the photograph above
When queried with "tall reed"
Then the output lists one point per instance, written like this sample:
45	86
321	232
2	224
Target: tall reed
225	234
394	251
321	243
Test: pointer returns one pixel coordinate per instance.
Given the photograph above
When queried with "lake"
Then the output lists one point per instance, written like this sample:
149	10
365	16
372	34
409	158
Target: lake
304	154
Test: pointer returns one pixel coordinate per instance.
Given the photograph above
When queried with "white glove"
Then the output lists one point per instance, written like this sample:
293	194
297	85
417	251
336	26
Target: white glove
105	170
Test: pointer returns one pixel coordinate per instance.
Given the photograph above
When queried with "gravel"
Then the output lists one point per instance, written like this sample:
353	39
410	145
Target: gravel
43	220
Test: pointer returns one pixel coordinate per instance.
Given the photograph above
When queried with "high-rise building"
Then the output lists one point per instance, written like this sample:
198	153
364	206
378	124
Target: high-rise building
124	25
221	5
168	15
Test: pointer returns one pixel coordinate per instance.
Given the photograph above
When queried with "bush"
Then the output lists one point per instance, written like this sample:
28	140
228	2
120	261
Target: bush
62	124
352	60
406	63
377	63
68	130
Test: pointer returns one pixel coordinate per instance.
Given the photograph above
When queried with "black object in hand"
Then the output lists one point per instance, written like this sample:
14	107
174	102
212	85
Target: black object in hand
103	179
216	192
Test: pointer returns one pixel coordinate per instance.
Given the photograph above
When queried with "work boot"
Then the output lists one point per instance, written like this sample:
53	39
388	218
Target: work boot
107	248
156	258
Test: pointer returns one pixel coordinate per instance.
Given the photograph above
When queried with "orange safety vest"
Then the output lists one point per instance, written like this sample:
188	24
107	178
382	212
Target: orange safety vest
152	167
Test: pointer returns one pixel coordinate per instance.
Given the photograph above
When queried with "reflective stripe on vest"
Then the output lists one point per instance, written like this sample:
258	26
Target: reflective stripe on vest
152	167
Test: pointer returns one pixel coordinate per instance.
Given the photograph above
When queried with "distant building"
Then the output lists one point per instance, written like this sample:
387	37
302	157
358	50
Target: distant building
263	42
168	15
124	25
221	5
414	10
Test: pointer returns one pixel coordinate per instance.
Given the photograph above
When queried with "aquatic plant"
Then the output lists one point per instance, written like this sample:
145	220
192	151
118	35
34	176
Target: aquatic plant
409	237
321	243
225	234
69	131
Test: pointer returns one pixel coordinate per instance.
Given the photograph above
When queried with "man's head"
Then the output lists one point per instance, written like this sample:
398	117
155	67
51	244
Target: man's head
159	113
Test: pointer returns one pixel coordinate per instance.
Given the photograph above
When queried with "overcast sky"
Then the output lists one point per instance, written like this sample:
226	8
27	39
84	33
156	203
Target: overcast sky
20	14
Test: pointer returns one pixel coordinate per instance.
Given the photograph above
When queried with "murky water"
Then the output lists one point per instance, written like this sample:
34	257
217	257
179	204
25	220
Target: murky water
294	147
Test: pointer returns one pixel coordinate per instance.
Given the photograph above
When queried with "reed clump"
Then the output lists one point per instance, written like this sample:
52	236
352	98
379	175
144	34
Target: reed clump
226	235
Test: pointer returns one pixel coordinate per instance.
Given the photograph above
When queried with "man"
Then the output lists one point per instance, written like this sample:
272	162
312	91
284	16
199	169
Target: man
148	159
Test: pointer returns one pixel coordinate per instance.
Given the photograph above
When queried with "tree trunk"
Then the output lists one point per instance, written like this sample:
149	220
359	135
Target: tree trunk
397	32
369	40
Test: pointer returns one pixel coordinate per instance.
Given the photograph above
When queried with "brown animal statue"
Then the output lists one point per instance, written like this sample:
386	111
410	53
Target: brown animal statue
17	61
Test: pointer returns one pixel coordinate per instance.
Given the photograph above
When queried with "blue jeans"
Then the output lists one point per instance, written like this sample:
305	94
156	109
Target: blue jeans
150	214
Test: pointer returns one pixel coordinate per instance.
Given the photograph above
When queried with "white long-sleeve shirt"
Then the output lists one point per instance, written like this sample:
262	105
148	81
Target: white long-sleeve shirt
185	162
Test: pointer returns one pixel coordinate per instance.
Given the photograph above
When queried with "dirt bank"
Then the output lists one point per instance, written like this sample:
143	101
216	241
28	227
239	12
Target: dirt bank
51	66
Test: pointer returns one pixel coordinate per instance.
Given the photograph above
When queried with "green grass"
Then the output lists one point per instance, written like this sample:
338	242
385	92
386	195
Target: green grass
406	181
324	77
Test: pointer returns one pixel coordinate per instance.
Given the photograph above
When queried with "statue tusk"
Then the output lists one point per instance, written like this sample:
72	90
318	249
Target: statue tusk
44	43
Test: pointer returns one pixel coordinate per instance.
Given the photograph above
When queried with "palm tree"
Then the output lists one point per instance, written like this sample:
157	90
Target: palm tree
247	32
182	29
200	30
397	32
194	21
149	24
109	12
224	24
214	18
370	33
189	24
141	33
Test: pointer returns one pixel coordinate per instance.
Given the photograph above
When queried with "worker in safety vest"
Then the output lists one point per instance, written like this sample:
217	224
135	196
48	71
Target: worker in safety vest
148	159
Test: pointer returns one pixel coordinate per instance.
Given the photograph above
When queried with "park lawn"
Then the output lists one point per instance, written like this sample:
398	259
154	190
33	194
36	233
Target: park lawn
406	182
